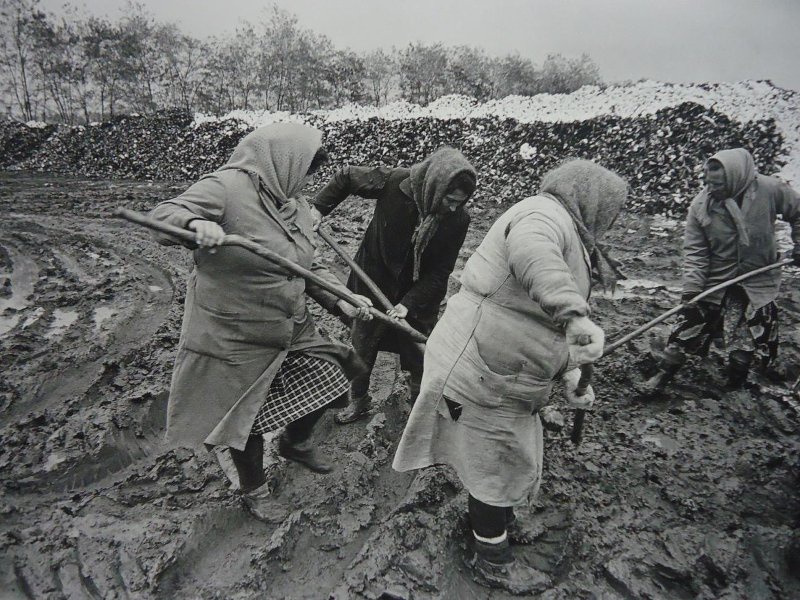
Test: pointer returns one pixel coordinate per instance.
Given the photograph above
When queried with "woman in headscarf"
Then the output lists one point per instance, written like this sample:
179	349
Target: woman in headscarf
250	359
519	322
409	250
730	230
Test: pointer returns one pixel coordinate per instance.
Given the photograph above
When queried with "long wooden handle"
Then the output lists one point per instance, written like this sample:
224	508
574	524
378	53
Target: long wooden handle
584	382
637	332
266	253
373	287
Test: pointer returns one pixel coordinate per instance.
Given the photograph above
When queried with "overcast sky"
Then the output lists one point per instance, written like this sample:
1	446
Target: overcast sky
668	40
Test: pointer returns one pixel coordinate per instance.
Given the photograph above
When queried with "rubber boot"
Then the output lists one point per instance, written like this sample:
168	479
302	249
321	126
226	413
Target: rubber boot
303	453
671	364
358	408
495	566
263	506
522	530
738	368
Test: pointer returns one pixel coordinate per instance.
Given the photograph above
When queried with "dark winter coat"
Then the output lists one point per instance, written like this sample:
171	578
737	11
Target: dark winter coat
386	253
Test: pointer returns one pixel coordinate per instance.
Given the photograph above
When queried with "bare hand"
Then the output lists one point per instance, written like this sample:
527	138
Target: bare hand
352	312
207	233
585	341
398	312
316	218
571	379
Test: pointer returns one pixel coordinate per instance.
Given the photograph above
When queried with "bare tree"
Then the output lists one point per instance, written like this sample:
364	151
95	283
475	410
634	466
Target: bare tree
423	72
380	72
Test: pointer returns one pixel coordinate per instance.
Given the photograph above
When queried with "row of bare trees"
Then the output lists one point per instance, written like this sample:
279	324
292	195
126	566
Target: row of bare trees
74	68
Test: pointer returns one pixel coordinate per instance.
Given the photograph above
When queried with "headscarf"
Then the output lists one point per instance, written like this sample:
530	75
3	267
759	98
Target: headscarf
277	156
740	173
593	196
429	183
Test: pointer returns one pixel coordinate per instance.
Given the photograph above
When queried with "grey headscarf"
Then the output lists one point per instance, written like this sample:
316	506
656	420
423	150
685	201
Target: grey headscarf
278	156
593	196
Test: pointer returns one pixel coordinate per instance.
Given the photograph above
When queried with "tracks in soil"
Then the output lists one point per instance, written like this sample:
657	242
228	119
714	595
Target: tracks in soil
689	495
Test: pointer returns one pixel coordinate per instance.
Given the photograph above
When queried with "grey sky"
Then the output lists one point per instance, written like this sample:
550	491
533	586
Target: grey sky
668	40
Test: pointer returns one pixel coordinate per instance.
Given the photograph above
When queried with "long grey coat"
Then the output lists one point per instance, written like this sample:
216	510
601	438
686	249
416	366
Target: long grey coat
242	314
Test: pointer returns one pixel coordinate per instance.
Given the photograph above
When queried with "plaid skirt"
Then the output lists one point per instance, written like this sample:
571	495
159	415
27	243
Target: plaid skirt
302	385
740	326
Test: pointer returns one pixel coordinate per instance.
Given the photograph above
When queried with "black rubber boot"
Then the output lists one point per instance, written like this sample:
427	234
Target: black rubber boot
303	453
738	368
358	408
495	566
670	365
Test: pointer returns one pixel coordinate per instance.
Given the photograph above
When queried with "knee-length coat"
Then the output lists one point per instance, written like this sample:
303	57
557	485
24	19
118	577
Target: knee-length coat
243	314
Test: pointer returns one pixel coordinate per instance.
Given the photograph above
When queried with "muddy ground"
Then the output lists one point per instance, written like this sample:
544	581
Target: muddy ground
694	495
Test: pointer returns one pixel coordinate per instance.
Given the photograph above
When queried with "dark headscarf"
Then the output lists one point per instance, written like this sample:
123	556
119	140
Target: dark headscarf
430	182
593	196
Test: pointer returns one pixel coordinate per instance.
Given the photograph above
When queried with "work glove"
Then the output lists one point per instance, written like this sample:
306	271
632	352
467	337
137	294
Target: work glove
585	341
571	379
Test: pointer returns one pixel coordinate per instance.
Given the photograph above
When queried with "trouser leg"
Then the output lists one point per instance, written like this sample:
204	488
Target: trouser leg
366	339
412	359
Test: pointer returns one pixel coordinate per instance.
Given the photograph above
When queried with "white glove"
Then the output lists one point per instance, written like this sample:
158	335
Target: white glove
571	379
585	341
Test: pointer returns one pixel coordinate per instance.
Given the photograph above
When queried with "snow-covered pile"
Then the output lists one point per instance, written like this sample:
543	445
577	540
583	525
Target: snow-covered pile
743	102
649	133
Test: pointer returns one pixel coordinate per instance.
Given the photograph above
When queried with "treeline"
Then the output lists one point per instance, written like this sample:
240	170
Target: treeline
77	69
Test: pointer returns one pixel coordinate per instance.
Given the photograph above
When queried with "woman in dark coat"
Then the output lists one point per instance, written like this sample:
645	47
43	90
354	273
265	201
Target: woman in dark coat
250	359
409	250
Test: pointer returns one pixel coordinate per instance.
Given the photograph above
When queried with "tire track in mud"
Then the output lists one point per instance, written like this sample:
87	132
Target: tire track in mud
693	495
117	301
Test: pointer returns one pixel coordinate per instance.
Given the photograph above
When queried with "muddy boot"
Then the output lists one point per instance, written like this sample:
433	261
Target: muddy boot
672	362
303	453
263	506
495	566
358	408
738	368
522	530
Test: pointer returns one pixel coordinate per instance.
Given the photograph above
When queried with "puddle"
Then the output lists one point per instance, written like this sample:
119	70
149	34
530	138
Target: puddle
62	320
628	288
101	315
155	288
23	277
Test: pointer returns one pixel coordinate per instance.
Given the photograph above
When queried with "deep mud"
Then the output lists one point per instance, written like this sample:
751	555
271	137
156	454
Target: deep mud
694	495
